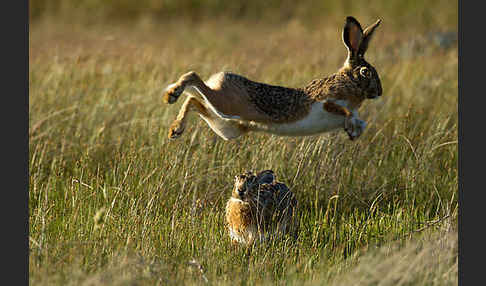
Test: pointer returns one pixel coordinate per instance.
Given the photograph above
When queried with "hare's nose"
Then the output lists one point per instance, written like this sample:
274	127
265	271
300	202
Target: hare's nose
379	91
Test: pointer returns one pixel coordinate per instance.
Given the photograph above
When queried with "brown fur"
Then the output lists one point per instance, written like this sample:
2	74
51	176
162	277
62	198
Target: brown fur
332	107
259	206
276	103
238	216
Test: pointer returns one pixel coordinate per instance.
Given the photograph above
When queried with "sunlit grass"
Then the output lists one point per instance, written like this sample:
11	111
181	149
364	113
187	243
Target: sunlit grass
113	201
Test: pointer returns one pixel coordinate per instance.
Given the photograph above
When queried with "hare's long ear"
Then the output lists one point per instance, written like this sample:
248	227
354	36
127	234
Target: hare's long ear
266	177
352	36
367	35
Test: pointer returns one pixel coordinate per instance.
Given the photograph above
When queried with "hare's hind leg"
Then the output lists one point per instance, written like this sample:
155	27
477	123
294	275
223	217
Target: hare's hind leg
213	99
173	91
226	129
190	79
179	124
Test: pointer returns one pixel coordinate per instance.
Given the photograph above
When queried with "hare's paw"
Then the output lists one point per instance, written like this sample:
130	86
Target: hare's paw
354	127
172	93
176	129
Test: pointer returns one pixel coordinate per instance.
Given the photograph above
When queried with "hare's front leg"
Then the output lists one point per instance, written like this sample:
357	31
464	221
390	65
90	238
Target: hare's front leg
179	124
352	124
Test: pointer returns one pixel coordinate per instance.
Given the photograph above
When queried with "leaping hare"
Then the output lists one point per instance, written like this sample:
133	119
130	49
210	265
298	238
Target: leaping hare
233	105
260	207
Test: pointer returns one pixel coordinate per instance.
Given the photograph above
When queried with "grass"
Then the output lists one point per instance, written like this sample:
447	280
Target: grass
113	202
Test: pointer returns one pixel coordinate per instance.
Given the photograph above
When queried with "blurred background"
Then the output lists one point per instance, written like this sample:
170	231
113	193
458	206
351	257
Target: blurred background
412	14
254	35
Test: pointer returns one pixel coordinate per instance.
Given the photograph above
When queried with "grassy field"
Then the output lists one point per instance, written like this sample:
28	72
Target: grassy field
113	202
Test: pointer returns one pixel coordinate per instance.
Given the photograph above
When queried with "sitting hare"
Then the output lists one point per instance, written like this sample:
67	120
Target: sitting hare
233	105
260	207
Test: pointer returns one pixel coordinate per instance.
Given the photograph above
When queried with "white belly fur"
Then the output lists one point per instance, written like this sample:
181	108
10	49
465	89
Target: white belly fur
317	121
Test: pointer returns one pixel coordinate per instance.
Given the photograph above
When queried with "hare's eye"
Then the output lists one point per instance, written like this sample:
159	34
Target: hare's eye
364	72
